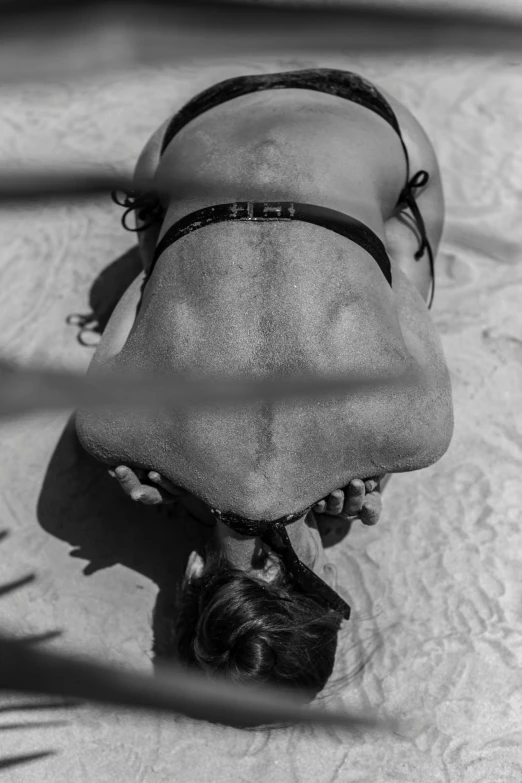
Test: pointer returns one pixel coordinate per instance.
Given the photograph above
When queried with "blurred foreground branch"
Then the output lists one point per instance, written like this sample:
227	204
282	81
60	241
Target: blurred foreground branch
61	184
26	390
176	691
59	38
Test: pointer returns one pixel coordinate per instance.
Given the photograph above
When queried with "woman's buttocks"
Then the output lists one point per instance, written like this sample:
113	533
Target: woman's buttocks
287	145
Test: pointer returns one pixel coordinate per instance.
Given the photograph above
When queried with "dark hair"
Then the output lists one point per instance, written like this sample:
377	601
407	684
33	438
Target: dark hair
232	624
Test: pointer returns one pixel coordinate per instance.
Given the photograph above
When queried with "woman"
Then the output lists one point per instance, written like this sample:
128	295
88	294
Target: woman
302	240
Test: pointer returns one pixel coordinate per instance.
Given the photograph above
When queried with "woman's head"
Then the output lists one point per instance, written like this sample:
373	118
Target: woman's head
255	629
253	624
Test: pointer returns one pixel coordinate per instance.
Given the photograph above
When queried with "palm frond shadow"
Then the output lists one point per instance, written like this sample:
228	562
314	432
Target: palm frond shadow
8	762
14	761
35	724
35	706
38	638
10	587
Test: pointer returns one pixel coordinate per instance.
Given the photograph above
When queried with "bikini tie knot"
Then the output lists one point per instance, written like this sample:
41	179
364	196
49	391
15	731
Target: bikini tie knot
418	180
147	207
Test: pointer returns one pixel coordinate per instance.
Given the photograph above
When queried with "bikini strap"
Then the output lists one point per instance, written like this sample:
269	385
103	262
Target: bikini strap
277	538
407	197
343	84
331	219
255	527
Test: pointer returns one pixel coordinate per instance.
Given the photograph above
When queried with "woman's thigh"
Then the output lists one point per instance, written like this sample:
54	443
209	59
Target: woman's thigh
402	234
146	169
403	239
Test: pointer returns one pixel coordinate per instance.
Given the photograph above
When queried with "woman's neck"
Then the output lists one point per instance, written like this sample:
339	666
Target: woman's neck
244	552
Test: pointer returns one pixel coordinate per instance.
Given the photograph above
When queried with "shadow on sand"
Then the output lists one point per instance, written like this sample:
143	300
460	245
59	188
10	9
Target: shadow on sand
80	503
106	291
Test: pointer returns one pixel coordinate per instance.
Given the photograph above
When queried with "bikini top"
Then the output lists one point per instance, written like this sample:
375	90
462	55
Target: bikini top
345	85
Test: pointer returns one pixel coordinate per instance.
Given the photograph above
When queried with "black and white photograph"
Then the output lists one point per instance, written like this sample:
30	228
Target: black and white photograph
261	391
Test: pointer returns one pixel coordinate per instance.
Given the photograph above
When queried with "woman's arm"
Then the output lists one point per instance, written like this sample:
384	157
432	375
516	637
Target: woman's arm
120	324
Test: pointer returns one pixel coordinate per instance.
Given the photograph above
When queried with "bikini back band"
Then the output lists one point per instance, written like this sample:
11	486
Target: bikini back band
249	211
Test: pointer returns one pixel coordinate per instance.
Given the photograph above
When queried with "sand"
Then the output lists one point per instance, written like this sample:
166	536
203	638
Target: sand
435	587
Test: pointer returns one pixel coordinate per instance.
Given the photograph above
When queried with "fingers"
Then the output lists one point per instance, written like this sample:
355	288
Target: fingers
164	484
127	479
132	486
371	511
354	498
130	482
359	499
347	502
335	502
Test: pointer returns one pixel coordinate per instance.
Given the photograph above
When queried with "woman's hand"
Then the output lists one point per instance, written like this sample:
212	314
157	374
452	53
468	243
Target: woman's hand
163	491
359	500
131	483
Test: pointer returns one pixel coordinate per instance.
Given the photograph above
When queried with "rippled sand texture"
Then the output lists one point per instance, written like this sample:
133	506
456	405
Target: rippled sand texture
436	587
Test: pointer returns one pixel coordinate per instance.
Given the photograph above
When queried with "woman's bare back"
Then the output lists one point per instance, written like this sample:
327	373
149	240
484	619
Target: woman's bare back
258	300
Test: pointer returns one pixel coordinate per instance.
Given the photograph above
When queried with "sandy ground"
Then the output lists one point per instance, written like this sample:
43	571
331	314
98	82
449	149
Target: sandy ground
435	587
